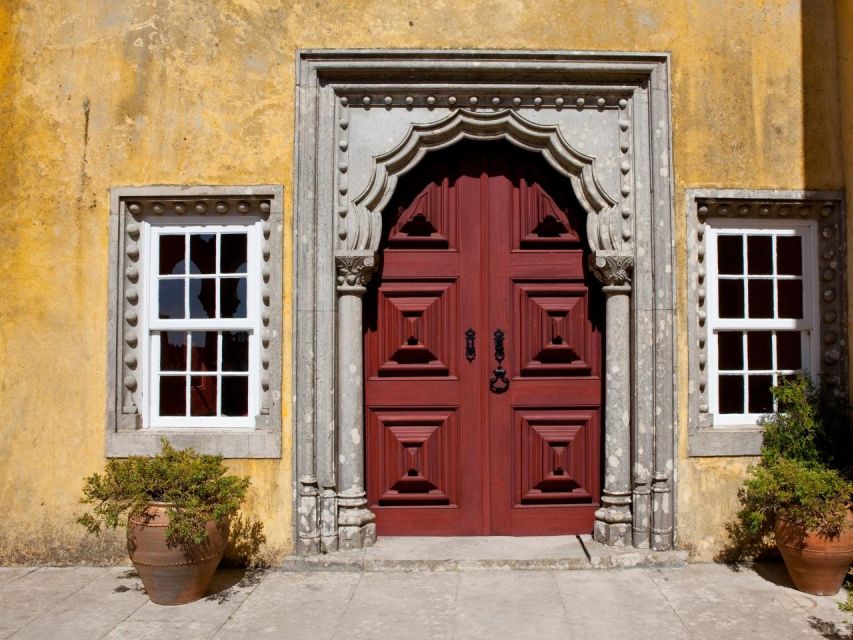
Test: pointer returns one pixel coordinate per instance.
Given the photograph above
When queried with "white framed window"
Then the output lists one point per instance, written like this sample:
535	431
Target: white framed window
762	316
766	298
202	323
195	319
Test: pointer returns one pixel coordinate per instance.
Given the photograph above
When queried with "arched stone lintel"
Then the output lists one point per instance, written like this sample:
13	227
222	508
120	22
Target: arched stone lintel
498	125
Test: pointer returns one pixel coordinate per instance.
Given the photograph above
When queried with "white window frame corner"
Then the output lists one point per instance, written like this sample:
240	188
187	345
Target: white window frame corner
138	213
821	215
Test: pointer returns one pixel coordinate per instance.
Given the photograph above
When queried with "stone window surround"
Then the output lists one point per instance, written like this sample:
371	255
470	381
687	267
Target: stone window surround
482	95
128	207
825	207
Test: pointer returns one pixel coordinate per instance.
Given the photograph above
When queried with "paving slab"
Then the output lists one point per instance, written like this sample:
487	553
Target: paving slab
403	606
715	602
9	574
296	606
31	595
497	604
158	630
618	604
90	612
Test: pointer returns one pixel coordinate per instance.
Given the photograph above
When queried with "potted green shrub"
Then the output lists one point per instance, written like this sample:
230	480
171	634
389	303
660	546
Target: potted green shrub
176	506
798	496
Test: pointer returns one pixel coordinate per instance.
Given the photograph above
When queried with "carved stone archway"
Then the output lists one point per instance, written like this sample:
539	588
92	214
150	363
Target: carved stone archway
363	122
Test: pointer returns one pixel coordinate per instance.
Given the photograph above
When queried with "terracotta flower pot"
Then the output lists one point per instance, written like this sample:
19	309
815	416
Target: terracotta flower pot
172	575
817	565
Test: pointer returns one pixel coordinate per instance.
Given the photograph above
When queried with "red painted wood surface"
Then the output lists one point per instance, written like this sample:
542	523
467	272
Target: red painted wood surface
487	237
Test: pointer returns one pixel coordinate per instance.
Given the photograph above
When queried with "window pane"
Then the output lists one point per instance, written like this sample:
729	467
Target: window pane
788	350
759	257
759	347
173	351
171	255
730	255
233	253
731	298
760	398
790	298
731	394
171	298
235	396
203	253
203	356
203	396
203	298
235	351
232	297
730	348
760	298
173	396
789	255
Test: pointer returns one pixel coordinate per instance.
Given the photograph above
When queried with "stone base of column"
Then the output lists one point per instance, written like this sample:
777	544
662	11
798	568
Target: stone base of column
308	546
613	521
308	540
328	520
356	527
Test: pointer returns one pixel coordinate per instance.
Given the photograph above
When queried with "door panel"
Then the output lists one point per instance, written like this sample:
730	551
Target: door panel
483	237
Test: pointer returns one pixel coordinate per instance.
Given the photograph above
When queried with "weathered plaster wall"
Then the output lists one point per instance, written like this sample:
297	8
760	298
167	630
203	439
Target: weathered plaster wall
185	91
844	24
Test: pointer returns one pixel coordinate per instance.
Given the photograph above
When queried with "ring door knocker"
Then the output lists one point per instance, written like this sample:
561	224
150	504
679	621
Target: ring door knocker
499	382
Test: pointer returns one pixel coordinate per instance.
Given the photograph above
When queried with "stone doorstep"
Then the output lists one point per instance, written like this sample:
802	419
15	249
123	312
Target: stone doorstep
485	553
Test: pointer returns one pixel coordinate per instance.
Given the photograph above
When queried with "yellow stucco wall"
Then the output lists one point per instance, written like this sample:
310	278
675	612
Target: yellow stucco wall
103	93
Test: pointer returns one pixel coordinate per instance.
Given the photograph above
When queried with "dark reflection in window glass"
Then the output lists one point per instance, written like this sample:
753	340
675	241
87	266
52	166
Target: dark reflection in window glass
173	396
235	351
203	395
232	297
203	298
788	350
730	255
203	357
760	298
790	298
759	255
232	257
789	255
760	349
731	298
730	348
171	298
731	394
203	253
173	351
760	398
235	396
171	255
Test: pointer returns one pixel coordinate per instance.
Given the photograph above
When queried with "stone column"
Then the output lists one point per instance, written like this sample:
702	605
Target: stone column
613	519
355	521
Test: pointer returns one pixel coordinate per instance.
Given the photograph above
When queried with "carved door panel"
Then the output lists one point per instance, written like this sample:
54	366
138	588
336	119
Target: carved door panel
484	239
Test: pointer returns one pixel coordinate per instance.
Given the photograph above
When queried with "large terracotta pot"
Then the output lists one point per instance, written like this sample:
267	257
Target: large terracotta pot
817	565
172	575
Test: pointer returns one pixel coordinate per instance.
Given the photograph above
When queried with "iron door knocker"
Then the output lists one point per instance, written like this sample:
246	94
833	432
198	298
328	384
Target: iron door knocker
499	382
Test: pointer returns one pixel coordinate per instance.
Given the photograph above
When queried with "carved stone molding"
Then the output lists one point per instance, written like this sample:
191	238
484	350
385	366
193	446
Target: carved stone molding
354	271
612	269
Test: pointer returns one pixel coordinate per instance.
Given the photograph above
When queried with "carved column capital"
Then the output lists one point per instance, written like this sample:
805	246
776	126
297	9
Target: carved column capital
354	271
612	268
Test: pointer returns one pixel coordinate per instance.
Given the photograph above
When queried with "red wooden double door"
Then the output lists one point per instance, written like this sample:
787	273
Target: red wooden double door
483	240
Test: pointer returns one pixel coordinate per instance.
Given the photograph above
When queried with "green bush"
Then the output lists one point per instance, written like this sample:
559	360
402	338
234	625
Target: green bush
198	488
802	476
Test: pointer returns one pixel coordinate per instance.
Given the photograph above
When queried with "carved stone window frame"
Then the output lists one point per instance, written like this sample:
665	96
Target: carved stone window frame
446	96
826	208
129	208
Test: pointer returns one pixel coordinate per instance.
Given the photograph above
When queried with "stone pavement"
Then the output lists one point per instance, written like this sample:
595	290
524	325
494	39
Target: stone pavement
694	601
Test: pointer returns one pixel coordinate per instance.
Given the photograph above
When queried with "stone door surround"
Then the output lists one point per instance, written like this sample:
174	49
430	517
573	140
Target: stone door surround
366	117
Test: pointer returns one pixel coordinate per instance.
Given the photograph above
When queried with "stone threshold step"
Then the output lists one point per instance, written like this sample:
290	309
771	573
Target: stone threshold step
486	552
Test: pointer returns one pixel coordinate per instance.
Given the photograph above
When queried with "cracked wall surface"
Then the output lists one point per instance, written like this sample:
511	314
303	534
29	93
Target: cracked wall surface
143	92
